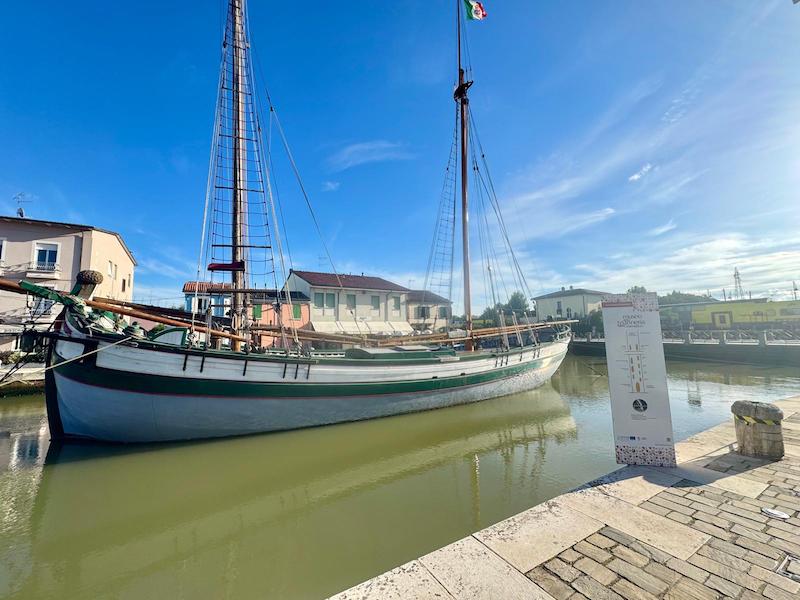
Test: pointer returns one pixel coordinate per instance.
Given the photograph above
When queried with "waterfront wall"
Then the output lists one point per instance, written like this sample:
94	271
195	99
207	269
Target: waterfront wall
772	354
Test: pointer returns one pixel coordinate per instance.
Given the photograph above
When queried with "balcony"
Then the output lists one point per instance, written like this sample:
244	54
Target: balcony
44	269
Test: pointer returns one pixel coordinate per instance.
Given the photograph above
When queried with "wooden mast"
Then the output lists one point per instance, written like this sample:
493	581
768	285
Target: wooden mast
460	96
239	121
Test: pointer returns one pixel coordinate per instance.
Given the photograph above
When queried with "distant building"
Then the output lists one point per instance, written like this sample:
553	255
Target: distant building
568	303
352	304
200	296
51	254
427	310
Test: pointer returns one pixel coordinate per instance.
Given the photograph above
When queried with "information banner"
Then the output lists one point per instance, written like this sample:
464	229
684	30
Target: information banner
637	380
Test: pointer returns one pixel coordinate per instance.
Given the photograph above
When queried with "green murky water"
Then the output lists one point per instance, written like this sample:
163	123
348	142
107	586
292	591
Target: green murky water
305	514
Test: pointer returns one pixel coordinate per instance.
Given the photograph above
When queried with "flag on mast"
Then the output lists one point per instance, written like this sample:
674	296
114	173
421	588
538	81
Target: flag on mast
475	10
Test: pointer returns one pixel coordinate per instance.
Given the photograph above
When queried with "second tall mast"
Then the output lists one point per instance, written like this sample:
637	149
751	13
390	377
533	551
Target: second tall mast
460	96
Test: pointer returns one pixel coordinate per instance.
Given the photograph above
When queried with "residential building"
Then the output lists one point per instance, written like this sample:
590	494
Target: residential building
427	310
572	303
352	304
200	296
51	254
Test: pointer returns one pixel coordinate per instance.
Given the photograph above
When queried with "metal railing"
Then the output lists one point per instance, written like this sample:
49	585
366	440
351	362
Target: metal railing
44	266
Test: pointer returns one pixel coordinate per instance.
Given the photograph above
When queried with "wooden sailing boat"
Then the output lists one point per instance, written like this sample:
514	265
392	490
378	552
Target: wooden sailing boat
109	381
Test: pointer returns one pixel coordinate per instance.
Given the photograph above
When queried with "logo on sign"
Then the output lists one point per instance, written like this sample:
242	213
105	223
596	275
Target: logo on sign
639	405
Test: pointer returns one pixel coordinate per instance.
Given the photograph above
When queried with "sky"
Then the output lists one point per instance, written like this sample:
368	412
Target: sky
630	143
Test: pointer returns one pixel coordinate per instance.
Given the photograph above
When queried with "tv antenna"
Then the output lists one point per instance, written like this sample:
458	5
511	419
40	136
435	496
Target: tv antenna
794	289
737	282
21	198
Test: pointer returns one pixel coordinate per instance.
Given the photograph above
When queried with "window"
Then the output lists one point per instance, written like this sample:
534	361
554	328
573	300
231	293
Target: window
115	270
330	300
202	304
396	301
2	252
351	301
558	307
256	311
569	313
46	257
376	302
110	269
442	312
123	284
423	312
297	311
319	300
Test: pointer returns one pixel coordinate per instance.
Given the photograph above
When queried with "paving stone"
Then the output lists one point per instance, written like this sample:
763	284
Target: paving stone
653	553
702	500
569	555
770	591
655	508
592	551
713	530
633	484
550	583
750	533
687	569
675	495
787	547
779	581
631	556
594	569
733	483
733	549
760	547
660	500
748	513
601	541
784	526
755	525
738	577
783	535
677	539
411	580
538	534
562	569
638	576
761	560
686	589
594	590
469	570
724	558
723	585
617	536
712	520
632	592
705	508
680	518
666	575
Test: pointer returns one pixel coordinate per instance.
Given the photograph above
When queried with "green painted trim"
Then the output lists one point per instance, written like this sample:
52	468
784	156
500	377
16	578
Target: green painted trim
186	386
184	330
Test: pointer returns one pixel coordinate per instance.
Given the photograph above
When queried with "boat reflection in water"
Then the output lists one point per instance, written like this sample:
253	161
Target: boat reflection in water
285	514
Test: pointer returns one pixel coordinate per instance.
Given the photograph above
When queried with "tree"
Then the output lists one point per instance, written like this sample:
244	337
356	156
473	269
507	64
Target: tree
637	289
517	303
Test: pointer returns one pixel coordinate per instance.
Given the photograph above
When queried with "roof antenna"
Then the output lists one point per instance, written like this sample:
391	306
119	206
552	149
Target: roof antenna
20	198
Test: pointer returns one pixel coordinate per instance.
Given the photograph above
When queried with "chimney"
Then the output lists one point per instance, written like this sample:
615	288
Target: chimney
563	289
570	287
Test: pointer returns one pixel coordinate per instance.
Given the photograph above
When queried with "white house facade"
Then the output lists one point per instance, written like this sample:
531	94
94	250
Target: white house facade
567	303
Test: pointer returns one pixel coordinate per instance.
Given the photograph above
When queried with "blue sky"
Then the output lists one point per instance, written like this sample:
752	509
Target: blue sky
654	144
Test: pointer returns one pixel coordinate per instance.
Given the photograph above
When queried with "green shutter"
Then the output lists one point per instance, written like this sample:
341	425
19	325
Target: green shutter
330	300
256	311
319	300
297	311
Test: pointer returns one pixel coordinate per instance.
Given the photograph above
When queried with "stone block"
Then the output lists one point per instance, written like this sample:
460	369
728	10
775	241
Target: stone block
631	592
631	556
595	570
687	569
594	590
550	583
411	580
592	551
758	429
638	576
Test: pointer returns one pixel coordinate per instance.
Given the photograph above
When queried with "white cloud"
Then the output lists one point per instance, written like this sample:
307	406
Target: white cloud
641	172
662	229
362	153
330	186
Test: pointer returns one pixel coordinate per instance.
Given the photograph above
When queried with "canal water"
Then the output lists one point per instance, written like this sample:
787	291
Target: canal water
305	514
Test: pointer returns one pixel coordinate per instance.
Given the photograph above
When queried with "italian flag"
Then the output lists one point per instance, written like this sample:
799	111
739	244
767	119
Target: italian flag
475	10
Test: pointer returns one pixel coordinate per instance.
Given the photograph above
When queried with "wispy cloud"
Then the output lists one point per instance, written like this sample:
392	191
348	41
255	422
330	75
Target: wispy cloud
362	153
641	172
662	229
330	186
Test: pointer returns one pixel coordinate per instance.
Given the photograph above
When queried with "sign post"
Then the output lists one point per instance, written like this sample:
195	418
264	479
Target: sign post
637	380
